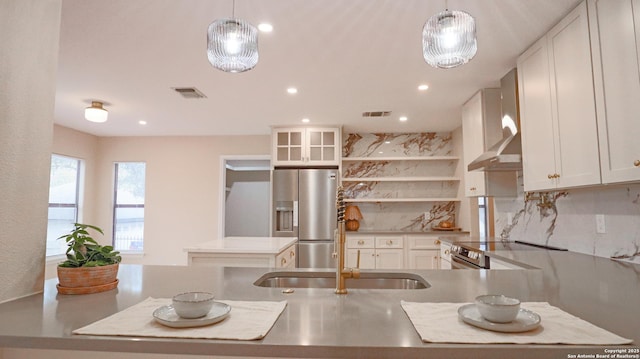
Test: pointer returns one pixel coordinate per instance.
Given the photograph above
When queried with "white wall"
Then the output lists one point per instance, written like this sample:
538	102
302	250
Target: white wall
182	190
72	143
247	203
29	33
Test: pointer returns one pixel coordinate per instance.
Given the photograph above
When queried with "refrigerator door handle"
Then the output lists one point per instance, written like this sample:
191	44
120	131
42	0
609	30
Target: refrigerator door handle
295	213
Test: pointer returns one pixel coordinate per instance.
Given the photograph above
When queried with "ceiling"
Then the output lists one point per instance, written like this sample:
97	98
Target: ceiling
344	56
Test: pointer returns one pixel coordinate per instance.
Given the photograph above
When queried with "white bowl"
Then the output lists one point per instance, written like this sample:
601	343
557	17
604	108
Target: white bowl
498	308
192	305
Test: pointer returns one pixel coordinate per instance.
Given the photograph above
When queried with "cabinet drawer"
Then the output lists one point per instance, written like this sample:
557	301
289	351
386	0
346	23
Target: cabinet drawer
445	251
360	242
389	242
424	243
287	259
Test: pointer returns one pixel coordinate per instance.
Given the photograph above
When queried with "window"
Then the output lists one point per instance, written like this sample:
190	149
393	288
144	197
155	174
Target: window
128	209
64	198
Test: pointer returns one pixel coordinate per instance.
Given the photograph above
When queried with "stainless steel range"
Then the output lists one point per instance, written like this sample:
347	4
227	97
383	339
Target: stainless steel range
471	255
468	257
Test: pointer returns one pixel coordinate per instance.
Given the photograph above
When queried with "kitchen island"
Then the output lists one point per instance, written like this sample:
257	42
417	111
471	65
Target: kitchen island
261	252
320	324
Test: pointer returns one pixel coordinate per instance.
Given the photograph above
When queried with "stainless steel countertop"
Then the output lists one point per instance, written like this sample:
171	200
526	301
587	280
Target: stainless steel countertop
320	324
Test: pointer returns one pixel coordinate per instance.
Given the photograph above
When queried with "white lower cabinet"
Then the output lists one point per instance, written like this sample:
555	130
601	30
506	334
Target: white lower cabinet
424	259
284	259
445	255
287	258
376	252
424	252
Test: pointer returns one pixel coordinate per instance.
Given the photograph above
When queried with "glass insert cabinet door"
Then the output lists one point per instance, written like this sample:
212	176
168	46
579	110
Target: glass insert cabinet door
306	146
322	145
289	145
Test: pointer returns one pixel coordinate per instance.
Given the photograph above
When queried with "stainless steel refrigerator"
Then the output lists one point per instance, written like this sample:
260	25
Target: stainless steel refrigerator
304	207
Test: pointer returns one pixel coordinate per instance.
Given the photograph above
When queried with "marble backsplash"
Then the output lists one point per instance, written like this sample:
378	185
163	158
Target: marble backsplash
567	219
406	217
396	175
397	144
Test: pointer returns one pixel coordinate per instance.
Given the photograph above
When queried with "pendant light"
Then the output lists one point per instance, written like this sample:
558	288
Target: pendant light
449	39
232	44
95	112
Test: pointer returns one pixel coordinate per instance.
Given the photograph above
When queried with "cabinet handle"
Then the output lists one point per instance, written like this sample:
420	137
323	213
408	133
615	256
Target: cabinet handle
557	175
446	252
550	176
436	242
361	242
472	189
636	163
389	242
292	254
283	261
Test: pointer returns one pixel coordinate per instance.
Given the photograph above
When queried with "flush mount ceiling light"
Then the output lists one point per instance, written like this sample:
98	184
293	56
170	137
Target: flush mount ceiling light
449	39
95	112
232	44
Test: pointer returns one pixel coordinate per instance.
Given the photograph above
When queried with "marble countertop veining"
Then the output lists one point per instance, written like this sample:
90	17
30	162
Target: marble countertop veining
247	245
320	324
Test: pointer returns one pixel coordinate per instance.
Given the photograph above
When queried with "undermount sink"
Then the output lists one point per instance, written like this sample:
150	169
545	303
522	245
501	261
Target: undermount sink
367	280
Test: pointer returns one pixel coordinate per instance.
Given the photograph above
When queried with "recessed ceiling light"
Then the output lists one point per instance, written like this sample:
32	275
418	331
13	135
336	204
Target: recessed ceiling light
142	122
292	90
380	152
387	142
403	118
264	27
423	87
305	120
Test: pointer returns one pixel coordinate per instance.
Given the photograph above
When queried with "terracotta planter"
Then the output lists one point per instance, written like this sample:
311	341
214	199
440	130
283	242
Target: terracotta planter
87	276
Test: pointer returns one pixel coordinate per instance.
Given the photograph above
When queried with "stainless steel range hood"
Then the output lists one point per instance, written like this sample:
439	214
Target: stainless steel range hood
506	155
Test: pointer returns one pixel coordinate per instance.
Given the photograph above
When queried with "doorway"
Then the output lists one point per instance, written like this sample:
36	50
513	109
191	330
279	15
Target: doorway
245	201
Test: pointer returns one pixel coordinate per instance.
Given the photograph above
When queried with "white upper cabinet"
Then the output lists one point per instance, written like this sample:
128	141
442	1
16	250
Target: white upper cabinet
557	108
481	128
300	146
474	141
615	41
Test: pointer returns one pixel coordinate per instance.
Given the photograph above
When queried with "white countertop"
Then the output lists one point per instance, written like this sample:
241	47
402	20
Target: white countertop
247	245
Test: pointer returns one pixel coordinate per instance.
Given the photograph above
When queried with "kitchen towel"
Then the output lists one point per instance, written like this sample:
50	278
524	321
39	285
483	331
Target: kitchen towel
246	321
439	323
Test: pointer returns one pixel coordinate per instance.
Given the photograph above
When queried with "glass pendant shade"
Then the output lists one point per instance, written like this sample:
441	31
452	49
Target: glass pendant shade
232	45
449	39
95	112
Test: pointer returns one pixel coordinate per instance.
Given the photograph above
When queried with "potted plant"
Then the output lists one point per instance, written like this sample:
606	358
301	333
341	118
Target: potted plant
90	267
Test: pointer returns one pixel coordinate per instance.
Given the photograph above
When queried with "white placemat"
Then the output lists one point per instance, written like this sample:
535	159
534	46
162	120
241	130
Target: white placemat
247	321
439	323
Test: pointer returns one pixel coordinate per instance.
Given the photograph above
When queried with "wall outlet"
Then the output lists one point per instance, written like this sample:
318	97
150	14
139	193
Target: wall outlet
600	226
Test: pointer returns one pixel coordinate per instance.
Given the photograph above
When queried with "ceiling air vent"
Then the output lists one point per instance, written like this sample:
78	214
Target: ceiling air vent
189	92
376	114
